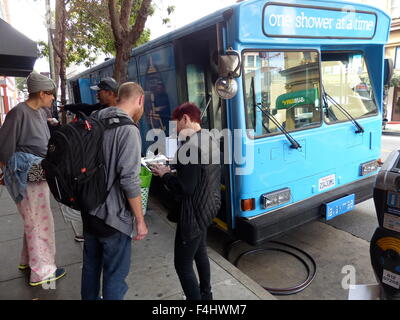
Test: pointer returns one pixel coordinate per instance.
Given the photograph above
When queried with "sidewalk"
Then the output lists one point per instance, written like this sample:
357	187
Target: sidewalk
152	275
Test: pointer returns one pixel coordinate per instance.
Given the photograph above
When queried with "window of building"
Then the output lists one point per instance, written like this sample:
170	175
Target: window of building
397	58
395	10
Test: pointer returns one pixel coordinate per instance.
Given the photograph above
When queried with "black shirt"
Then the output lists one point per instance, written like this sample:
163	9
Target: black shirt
96	226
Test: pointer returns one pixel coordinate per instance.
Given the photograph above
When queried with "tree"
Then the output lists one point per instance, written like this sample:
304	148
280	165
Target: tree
59	45
90	28
127	26
84	31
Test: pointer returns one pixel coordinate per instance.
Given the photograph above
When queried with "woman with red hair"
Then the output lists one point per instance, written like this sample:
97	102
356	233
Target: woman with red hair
197	186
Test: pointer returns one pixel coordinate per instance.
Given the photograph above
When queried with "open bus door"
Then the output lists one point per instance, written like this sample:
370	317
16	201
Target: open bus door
196	63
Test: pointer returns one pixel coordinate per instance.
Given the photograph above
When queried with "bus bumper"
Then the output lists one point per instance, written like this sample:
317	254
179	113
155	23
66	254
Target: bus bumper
264	227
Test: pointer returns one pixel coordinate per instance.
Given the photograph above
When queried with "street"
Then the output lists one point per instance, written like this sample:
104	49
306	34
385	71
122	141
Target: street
361	222
336	246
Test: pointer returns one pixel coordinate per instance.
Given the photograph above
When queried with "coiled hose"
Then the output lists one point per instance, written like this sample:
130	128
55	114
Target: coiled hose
311	272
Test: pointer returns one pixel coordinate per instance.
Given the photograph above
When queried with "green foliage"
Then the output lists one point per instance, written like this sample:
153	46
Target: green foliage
395	81
89	32
21	84
43	49
170	10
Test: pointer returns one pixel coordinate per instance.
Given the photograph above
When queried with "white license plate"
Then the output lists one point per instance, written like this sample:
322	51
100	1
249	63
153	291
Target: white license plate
391	222
327	182
391	279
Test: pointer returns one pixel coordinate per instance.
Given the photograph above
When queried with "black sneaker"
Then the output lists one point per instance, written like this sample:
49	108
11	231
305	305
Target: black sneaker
55	276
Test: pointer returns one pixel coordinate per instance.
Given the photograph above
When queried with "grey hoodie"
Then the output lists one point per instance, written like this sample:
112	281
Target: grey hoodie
122	151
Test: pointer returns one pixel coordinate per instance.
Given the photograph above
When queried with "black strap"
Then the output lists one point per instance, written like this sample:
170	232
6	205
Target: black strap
115	122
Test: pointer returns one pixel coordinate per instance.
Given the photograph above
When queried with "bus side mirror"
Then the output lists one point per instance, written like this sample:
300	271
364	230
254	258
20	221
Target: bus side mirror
229	68
388	72
229	64
226	88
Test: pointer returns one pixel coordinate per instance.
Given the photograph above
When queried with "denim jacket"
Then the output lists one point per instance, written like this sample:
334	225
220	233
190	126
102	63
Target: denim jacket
16	174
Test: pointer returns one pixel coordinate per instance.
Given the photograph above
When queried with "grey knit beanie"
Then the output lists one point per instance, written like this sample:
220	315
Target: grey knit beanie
37	82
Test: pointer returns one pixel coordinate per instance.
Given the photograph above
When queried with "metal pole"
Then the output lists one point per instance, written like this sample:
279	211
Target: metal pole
51	50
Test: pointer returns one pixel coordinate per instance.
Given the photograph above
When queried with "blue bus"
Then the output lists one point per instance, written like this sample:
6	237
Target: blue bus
303	80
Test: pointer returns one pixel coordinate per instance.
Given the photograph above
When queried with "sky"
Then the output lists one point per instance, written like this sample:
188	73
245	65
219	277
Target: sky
28	16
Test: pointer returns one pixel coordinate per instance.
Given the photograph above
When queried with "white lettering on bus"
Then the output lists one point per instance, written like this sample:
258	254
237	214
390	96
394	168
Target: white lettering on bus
303	21
280	20
349	22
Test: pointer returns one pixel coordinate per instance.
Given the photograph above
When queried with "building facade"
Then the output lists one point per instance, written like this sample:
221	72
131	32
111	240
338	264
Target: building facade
9	95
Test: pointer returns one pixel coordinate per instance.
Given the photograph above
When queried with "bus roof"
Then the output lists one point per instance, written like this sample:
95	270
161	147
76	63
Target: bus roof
197	25
256	8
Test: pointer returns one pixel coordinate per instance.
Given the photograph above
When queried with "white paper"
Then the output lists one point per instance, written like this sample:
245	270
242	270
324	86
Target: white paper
364	292
159	159
171	146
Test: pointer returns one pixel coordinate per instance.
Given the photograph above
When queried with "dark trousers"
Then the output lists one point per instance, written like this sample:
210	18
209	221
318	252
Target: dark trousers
185	254
110	255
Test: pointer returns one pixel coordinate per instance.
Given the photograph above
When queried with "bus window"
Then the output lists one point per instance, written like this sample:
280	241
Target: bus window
132	70
345	78
286	85
196	85
106	72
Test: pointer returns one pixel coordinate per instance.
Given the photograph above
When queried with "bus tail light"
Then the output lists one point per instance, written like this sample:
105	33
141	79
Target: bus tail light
368	167
248	204
275	198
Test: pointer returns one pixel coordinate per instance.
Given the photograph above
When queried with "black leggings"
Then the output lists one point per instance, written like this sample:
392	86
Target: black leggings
185	253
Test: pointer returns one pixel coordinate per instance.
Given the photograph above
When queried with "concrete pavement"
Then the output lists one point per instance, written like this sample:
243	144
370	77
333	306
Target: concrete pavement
152	275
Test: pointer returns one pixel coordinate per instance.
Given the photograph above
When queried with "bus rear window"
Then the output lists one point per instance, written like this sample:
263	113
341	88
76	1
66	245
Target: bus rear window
285	85
345	78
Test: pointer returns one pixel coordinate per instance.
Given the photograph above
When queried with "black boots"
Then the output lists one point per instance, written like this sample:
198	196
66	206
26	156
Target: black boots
206	295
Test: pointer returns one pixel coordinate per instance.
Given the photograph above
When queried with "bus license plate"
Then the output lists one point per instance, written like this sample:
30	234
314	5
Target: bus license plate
340	206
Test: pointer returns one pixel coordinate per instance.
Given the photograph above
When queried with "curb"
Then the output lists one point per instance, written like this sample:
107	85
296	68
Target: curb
390	133
237	274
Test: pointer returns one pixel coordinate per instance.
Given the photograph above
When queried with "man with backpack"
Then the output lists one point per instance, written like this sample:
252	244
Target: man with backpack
109	228
93	166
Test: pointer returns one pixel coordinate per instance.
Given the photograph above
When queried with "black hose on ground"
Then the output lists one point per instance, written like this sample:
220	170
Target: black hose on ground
311	272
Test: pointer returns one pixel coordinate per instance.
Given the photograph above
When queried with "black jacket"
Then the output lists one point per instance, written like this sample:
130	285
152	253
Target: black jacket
197	187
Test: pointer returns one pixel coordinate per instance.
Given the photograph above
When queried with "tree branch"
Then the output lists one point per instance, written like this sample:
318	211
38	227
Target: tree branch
55	46
115	24
141	18
126	10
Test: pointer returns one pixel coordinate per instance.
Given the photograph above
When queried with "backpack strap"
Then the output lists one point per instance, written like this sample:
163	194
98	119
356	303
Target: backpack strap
115	122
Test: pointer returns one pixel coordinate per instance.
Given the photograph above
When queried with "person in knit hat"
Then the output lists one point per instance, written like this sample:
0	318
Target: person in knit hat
37	82
23	145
